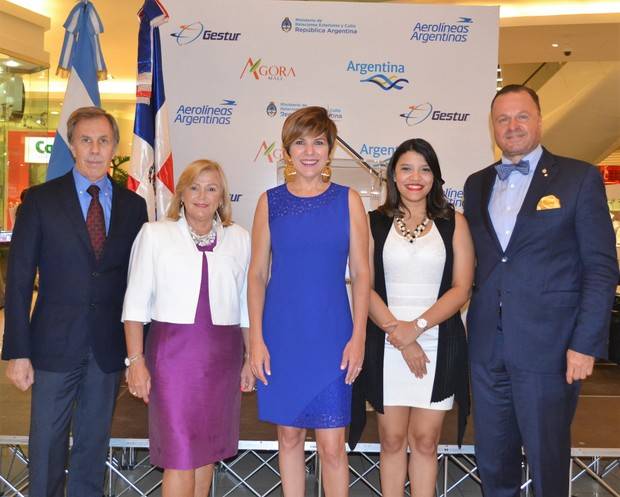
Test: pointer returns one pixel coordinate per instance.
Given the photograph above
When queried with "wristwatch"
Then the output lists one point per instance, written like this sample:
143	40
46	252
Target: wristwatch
133	358
421	324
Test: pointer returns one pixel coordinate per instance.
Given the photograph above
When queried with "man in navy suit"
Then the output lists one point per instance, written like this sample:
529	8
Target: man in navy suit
539	315
77	232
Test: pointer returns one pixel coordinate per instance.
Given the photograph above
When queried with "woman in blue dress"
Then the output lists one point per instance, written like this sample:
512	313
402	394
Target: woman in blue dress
306	348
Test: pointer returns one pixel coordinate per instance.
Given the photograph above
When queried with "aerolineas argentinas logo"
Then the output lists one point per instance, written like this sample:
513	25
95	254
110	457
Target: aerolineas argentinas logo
442	32
189	33
206	114
261	70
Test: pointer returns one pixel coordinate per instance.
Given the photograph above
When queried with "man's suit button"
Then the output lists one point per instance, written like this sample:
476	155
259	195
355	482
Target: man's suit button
504	259
94	274
92	305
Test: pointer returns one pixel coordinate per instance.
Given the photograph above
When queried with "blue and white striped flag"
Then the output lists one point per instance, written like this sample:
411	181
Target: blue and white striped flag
151	173
82	60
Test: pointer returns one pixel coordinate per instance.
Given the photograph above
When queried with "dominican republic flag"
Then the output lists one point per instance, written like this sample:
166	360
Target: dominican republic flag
151	173
80	59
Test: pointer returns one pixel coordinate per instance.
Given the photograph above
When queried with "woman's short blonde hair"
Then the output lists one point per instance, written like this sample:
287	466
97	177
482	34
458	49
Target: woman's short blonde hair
188	176
312	121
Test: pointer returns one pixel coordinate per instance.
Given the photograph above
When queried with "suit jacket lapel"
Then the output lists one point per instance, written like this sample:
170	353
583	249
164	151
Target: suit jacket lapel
72	209
487	188
115	214
544	173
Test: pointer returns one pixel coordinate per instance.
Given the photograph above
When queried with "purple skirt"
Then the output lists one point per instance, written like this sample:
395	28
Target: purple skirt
195	399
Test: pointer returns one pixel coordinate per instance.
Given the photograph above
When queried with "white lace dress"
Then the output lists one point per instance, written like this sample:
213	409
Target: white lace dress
413	274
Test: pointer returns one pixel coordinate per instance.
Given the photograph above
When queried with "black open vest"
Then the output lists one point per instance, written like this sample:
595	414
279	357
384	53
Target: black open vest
451	374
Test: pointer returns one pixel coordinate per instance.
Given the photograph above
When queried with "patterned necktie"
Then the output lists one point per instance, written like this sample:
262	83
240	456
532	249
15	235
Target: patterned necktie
504	170
95	222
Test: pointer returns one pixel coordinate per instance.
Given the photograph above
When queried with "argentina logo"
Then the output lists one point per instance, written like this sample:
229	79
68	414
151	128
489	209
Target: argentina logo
385	75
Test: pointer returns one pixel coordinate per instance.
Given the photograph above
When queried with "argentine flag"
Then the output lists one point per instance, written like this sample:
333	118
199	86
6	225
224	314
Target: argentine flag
82	59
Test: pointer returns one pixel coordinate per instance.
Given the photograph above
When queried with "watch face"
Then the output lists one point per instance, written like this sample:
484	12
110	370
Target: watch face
127	362
422	323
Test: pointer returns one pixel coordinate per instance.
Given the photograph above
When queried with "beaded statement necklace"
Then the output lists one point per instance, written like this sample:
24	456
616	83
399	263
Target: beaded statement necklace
203	240
406	233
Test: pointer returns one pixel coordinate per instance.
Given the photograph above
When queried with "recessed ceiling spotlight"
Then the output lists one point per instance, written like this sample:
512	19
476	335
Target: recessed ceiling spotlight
12	63
555	45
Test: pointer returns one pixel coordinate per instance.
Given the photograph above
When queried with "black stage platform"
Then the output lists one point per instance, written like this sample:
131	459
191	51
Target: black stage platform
595	435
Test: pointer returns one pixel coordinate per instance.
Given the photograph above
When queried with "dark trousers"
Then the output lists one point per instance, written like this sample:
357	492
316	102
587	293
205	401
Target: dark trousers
514	408
83	400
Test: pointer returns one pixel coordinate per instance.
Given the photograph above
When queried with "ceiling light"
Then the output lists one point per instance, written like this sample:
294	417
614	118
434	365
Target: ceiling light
559	9
555	45
113	87
12	63
38	6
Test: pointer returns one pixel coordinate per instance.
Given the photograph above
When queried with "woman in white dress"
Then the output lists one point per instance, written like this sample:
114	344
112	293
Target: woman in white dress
422	259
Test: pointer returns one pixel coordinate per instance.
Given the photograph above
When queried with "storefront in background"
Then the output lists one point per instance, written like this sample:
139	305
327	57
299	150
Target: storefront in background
25	141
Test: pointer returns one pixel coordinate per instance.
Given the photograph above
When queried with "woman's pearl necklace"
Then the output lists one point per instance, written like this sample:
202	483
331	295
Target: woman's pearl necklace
406	233
203	240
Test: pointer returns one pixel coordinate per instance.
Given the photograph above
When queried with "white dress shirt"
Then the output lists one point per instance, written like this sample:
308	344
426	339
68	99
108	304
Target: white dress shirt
165	272
508	195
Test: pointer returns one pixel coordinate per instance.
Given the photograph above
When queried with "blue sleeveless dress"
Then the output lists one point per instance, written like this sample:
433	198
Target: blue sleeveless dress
307	319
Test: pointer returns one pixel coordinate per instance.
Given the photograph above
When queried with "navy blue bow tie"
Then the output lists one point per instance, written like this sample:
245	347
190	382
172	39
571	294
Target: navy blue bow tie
504	170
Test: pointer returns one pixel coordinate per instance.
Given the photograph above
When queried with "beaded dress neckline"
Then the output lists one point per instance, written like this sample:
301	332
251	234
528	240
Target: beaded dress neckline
310	197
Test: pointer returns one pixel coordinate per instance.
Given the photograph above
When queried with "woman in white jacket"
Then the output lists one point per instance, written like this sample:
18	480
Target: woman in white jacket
187	277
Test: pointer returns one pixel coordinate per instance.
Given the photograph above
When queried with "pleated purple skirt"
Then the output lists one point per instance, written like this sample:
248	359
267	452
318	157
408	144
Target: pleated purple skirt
195	399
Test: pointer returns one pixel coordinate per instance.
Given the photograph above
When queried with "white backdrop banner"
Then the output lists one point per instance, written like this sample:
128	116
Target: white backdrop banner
234	69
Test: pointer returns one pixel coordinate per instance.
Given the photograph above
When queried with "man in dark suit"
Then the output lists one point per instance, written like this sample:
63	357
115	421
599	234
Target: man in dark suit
77	232
544	286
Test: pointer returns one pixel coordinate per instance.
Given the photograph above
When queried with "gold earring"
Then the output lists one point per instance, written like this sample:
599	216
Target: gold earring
289	171
326	172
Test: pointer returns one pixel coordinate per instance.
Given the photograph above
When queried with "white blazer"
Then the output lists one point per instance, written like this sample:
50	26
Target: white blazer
165	272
